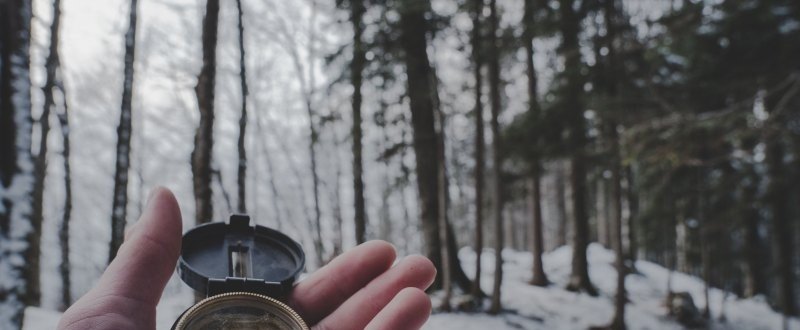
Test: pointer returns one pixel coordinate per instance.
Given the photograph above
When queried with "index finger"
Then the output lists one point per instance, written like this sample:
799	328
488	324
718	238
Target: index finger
326	289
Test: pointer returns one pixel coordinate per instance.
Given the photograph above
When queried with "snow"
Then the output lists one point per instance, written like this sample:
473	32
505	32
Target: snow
529	307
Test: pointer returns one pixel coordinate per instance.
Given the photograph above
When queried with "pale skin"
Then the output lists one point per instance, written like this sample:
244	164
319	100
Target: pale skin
358	290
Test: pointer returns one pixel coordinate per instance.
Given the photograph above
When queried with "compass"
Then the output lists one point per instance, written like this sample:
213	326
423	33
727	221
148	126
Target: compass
245	272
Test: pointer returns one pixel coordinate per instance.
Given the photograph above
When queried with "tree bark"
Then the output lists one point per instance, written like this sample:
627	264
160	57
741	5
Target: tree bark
54	82
124	132
537	234
16	167
497	193
204	137
573	89
477	57
356	71
63	233
534	182
414	27
779	202
753	276
241	174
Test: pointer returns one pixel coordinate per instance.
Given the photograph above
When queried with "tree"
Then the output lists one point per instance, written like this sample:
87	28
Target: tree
570	98
357	10
241	175
204	135
497	157
124	132
414	28
16	167
480	143
537	236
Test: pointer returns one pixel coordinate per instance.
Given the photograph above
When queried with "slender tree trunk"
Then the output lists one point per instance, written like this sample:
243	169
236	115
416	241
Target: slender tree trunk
63	119
477	57
779	202
447	278
537	231
561	206
753	278
124	132
16	165
241	175
497	193
633	213
570	28
414	27
338	240
620	299
204	135
356	70
63	233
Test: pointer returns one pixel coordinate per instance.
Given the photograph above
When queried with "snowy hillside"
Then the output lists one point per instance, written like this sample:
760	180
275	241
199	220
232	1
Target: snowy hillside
530	307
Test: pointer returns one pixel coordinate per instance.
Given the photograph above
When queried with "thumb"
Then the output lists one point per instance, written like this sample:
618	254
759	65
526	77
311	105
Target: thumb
126	295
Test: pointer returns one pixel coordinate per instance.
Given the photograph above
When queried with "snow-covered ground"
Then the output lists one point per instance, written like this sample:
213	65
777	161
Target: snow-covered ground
529	307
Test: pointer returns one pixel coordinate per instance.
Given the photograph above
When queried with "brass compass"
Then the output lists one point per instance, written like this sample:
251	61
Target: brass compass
244	271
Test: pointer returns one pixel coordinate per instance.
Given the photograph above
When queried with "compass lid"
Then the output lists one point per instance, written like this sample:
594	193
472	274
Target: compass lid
237	257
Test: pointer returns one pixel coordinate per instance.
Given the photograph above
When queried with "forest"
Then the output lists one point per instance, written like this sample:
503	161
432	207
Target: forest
486	135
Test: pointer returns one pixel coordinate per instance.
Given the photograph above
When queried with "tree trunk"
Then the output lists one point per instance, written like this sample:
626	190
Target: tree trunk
63	119
561	205
779	202
477	57
497	193
16	167
241	175
537	234
204	135
124	131
356	70
63	232
537	231
447	278
620	299
414	27
753	278
633	212
573	89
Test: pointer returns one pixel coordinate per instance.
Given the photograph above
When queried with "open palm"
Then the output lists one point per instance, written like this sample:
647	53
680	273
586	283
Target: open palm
359	289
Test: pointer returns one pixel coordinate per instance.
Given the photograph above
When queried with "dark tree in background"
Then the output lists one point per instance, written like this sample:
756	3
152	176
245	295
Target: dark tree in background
497	157
571	89
16	170
357	10
480	143
124	131
203	138
241	174
539	277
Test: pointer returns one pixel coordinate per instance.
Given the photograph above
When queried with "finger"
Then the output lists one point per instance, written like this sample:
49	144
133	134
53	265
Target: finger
320	294
355	313
133	282
408	310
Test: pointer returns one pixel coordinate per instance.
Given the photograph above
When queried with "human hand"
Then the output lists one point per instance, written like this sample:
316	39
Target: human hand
359	289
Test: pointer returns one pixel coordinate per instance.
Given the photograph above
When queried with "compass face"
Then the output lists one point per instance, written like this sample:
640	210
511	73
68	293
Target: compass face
240	311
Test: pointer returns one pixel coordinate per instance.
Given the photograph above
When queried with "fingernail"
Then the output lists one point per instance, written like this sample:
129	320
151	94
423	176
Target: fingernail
150	196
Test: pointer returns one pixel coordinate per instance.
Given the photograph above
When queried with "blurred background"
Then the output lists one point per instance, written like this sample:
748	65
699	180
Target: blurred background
616	162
